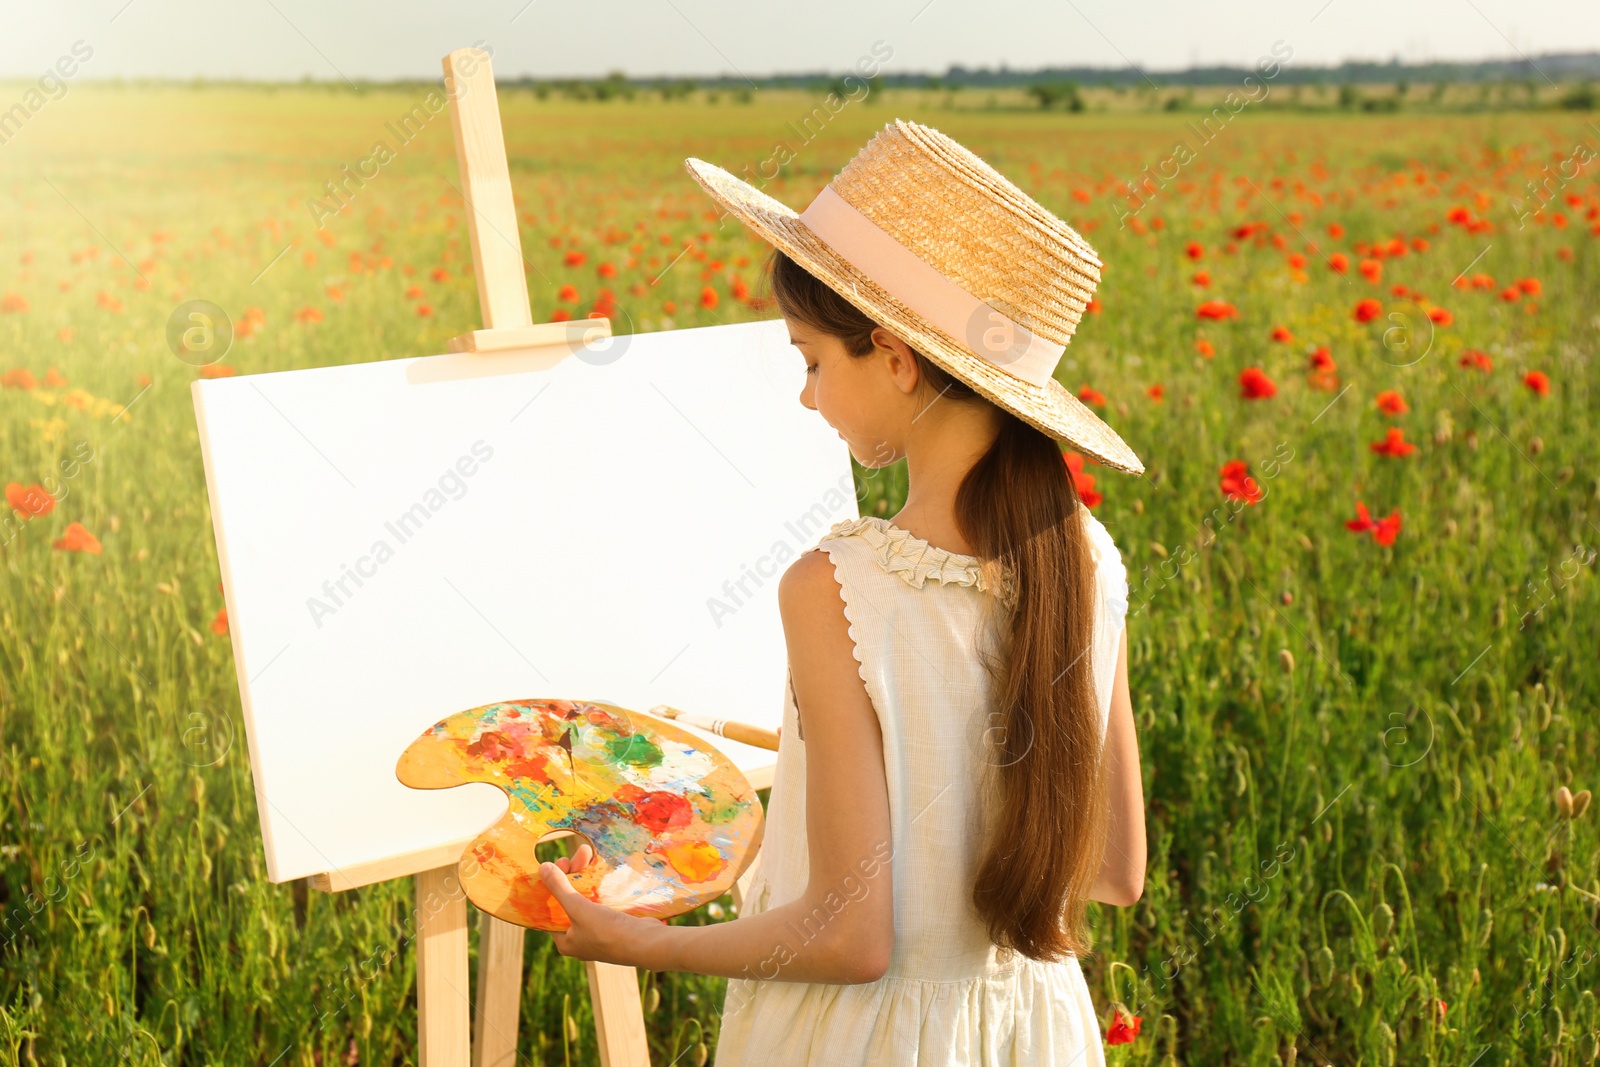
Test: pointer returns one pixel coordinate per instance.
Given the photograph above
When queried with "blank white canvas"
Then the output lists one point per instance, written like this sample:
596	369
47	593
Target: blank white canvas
604	525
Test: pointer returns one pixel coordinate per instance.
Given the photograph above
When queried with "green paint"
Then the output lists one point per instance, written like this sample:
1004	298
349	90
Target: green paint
636	749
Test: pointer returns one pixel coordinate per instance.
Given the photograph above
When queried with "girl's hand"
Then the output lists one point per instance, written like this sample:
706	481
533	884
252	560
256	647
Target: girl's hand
597	932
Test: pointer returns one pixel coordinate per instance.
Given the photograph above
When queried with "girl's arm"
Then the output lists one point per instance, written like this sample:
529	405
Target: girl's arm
841	929
1121	880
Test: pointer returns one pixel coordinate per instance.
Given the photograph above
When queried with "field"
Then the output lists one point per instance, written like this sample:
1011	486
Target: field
1355	733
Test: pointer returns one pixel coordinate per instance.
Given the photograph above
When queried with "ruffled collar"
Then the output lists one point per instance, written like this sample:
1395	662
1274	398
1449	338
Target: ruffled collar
915	560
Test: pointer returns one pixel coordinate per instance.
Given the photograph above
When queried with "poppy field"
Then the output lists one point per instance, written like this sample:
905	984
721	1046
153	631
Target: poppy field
1355	351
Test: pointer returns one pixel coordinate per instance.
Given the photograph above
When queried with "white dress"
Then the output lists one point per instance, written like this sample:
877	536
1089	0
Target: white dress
915	615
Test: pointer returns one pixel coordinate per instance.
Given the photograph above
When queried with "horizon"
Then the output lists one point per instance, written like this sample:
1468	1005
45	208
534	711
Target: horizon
292	41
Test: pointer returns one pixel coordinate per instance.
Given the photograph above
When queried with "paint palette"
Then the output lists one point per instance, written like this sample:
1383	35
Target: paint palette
672	821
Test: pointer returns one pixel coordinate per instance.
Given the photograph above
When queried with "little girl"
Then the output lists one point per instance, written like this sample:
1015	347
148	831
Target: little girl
958	774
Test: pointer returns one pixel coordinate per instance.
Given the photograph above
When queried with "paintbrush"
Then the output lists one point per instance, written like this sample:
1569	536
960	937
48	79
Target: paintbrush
742	732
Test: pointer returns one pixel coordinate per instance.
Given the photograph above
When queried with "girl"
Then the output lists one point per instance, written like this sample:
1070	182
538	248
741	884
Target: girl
958	774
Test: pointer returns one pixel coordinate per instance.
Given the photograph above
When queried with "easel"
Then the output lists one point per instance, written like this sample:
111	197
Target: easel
444	1036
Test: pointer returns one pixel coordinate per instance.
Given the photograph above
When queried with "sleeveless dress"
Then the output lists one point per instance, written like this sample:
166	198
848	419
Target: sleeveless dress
916	616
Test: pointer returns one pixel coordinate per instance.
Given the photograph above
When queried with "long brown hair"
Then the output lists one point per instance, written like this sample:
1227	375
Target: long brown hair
1046	814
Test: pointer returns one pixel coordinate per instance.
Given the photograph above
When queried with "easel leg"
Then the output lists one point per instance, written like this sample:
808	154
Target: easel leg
618	1015
443	1008
494	1020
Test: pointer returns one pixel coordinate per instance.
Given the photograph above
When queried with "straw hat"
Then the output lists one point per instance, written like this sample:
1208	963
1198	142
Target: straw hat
936	245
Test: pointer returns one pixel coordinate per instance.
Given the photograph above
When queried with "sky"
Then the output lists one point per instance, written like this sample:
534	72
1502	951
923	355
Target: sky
358	39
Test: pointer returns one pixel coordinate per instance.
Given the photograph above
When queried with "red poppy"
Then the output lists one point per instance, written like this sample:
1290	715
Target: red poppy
1082	481
1123	1028
77	539
607	270
1383	531
308	315
424	310
1092	396
1371	270
219	625
1205	348
1237	483
1322	360
574	258
1538	381
560	315
708	298
1528	285
1390	402
1297	261
54	380
1255	385
413	292
1511	294
1194	249
13	302
1201	278
739	290
30	501
1216	309
18	378
1282	335
567	294
1441	316
1335	230
1367	310
217	370
439	274
1339	262
1394	443
1157	392
1476	360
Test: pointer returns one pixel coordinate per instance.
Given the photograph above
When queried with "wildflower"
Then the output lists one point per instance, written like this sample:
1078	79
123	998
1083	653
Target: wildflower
1282	335
560	315
1528	285
1476	360
606	270
1441	316
1371	270
1538	381
1390	402
1383	530
308	315
1335	230
1194	249
568	294
77	539
1123	1028
1255	385
708	298
423	310
1394	443
739	290
13	302
439	274
1157	392
413	292
1367	310
217	370
1339	262
30	501
219	625
1082	481
54	380
1322	360
1092	396
1205	348
574	258
1216	309
1237	483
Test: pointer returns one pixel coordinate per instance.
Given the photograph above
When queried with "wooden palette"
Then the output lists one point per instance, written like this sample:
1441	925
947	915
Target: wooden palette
672	821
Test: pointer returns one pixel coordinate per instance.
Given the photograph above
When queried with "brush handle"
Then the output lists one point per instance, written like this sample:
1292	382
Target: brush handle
743	732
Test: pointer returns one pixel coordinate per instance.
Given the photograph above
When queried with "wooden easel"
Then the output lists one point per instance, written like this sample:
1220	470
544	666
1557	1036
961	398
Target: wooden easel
445	1038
